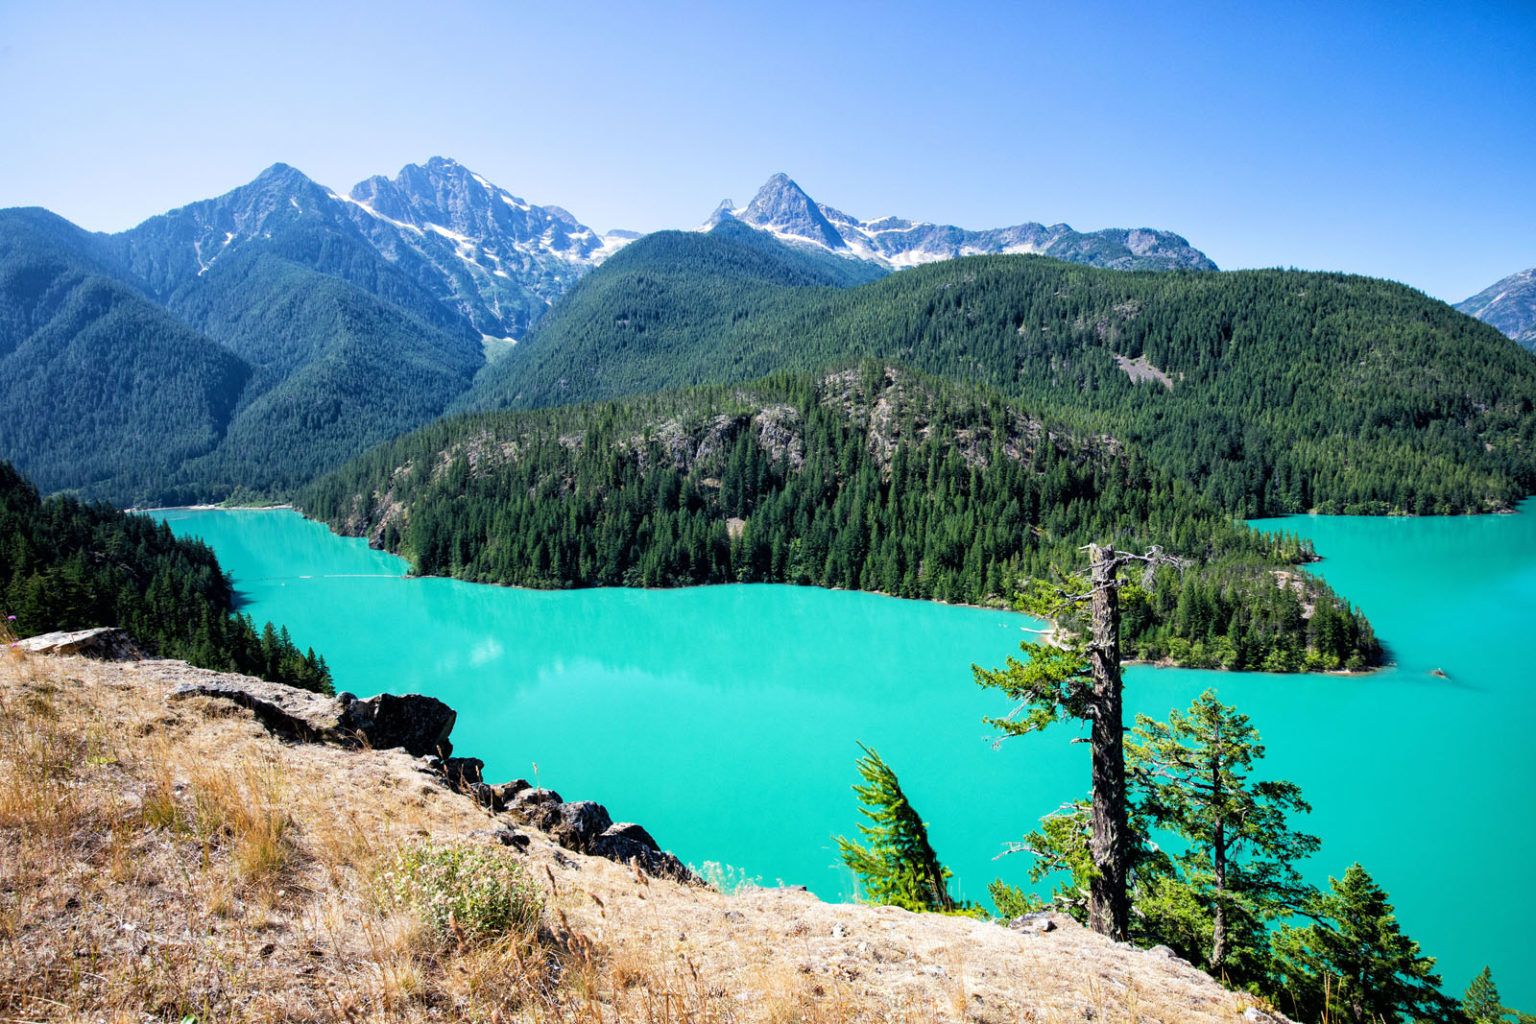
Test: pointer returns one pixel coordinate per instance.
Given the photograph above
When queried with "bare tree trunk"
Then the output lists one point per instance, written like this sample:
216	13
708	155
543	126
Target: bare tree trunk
1108	901
1218	870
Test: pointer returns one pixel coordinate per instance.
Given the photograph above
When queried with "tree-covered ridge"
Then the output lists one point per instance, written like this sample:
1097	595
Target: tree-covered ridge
640	323
1285	391
99	388
871	478
69	565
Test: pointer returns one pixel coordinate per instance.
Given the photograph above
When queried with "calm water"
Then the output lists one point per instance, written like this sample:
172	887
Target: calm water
725	718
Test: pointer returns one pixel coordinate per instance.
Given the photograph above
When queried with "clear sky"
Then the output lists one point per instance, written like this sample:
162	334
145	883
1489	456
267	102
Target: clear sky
1395	139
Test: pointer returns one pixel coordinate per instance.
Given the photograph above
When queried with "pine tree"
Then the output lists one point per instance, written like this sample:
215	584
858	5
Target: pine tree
1482	1005
1193	774
898	867
1078	677
1355	964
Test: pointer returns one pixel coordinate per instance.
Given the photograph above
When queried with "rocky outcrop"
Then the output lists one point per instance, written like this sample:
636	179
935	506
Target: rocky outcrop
420	726
411	722
105	643
289	712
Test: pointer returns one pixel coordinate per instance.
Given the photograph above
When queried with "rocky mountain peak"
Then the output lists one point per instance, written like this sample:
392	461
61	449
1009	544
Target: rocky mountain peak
783	207
1508	304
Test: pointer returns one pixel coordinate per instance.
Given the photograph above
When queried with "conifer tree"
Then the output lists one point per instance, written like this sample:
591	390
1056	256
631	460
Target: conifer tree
1193	775
898	867
1482	1005
1355	964
1078	677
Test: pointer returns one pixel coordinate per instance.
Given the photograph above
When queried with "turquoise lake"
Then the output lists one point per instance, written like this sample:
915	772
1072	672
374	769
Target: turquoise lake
725	719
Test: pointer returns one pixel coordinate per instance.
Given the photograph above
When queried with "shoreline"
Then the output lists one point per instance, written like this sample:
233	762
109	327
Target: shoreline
212	508
1045	635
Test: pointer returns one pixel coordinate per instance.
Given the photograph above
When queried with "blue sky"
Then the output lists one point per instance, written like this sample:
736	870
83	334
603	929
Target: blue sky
1390	139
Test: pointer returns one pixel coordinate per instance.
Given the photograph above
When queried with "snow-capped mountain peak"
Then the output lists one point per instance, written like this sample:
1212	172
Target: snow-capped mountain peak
783	209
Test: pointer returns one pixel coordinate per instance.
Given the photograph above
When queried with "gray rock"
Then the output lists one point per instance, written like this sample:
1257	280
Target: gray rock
537	807
535	797
578	824
505	793
1037	923
105	643
462	773
628	843
628	830
289	712
418	723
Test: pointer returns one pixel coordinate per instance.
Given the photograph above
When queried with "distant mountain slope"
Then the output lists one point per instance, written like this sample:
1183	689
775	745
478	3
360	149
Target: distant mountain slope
651	310
783	209
345	320
100	389
335	370
1509	305
439	240
1271	391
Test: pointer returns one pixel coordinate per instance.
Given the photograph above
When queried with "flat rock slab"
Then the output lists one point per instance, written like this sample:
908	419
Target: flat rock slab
418	724
105	643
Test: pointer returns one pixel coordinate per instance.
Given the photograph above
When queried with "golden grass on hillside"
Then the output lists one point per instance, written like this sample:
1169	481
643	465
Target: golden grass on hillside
173	861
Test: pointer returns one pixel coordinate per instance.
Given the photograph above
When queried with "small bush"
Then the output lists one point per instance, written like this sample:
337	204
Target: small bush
461	892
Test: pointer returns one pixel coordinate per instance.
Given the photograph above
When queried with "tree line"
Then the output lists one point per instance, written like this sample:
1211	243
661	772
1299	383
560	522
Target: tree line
1289	391
65	564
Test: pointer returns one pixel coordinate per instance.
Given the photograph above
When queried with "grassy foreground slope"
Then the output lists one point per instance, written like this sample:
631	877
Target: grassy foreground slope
1267	391
872	478
175	861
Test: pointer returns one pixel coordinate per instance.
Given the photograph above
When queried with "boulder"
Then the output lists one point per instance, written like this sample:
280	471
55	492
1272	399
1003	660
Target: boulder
534	797
418	723
628	843
578	824
630	831
464	772
104	643
504	794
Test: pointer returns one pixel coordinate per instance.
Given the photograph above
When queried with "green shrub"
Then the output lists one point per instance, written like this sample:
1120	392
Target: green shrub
461	891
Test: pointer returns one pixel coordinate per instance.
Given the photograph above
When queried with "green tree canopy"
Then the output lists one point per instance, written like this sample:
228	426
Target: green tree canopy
895	865
1355	964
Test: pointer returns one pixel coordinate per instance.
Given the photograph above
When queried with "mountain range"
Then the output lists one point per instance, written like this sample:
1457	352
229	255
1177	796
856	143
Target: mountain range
242	344
783	209
1509	305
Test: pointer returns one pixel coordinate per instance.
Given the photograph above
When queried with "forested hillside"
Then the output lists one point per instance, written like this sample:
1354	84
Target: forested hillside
100	389
625	328
872	478
69	565
335	370
1269	391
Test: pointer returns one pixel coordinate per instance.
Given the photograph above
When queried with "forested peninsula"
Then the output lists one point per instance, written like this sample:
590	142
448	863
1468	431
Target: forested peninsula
873	477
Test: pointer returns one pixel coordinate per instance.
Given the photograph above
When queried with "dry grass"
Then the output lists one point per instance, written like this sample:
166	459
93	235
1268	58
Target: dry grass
170	861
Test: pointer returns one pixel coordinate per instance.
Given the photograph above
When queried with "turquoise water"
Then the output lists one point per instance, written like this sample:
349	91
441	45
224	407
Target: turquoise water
725	718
